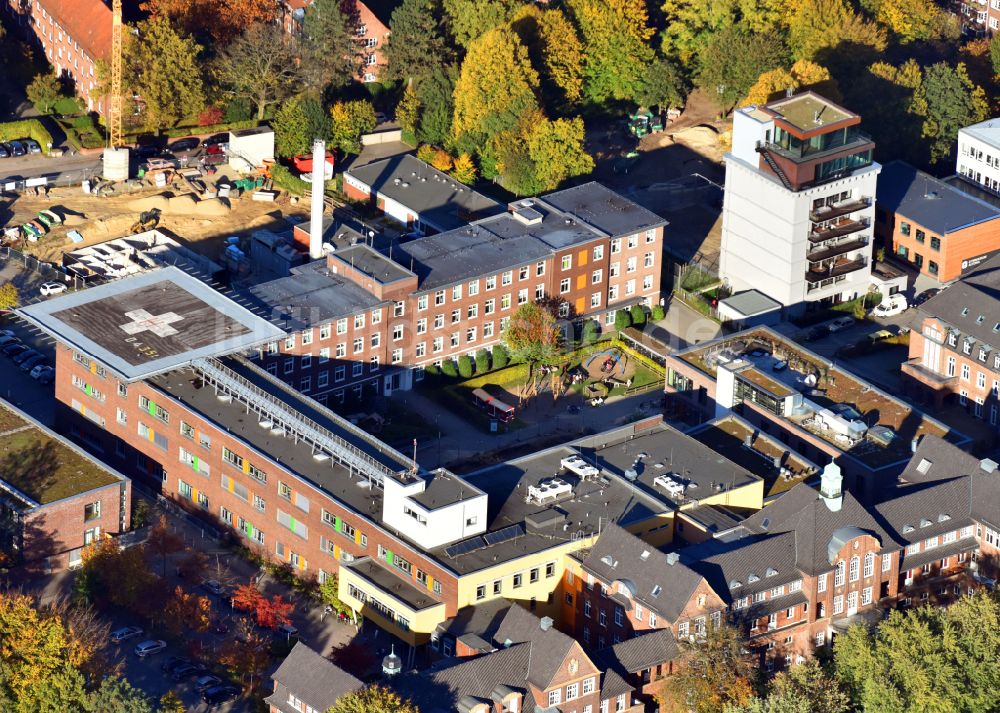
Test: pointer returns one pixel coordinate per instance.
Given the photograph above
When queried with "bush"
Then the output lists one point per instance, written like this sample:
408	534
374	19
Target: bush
465	366
448	368
658	313
590	332
638	314
211	115
432	371
30	128
500	356
623	320
283	178
482	361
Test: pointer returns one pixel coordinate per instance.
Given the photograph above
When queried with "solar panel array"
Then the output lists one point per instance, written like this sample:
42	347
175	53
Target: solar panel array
507	533
465	546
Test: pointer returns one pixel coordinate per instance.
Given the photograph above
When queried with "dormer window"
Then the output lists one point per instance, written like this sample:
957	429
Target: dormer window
944	517
735	584
925	522
753	578
952	339
907	528
967	346
771	572
965	311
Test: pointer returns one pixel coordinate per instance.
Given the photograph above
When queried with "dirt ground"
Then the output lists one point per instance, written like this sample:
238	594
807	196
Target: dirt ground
202	225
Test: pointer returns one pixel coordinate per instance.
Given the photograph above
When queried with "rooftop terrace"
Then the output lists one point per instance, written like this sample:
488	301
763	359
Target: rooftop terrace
42	467
808	111
816	385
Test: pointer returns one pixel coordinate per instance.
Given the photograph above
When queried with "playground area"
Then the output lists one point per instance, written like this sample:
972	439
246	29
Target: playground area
524	395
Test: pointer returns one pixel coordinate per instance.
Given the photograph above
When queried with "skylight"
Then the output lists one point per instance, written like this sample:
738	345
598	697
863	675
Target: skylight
923	466
656	590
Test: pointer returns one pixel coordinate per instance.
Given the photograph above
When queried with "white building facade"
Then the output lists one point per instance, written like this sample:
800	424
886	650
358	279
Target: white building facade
799	203
979	155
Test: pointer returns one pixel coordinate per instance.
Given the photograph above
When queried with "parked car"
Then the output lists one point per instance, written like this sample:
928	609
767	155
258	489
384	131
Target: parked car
150	647
25	355
43	373
173	663
216	140
32	361
219	694
144	153
181	145
185	671
840	323
213	586
14	348
205	682
32	146
4	150
896	304
52	288
288	631
926	295
125	633
17	148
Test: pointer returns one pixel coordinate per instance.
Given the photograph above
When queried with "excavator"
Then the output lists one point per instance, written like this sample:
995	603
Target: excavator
148	220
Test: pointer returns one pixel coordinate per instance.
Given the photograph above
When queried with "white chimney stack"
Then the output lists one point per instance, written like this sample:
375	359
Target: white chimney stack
316	216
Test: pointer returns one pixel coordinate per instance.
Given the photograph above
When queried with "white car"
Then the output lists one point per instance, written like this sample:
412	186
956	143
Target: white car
52	288
896	304
152	646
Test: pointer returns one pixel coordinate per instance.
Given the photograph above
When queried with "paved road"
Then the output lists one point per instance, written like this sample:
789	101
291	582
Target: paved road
66	167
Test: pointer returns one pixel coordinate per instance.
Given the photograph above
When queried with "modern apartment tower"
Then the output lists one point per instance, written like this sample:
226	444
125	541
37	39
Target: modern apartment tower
799	204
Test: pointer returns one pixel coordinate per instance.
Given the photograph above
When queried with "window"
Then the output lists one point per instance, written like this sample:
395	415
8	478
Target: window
472	311
517	581
838	604
481	592
555	697
566	262
564	285
153	409
522	296
92	511
497	585
439	297
284	491
422	302
456	293
648	259
866	596
376	340
586	608
869	564
507	277
491	282
838	575
473	288
359	345
855	568
935	243
258	503
522	273
886	562
572	691
324	355
602	617
505	301
630	264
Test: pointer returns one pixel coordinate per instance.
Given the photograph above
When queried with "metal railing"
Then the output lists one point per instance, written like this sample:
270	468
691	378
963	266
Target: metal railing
295	424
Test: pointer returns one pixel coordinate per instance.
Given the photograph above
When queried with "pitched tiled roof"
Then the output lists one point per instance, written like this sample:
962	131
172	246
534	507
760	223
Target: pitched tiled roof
88	22
613	685
739	568
640	652
970	306
618	555
313	678
921	510
549	647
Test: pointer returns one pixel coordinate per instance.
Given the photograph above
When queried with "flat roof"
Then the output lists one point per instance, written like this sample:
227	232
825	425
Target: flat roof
748	446
834	387
604	209
37	467
150	323
808	111
412	596
751	303
439	200
372	263
311	295
987	131
712	517
938	206
444	489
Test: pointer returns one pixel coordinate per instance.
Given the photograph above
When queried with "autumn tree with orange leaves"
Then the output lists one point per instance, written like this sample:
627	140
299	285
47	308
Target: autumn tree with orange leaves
223	20
269	613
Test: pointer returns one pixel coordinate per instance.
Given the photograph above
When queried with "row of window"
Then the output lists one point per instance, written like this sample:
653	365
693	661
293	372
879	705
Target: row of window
516	580
383	610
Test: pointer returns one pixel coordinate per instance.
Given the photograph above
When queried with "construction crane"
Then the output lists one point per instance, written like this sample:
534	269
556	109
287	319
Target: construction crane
115	112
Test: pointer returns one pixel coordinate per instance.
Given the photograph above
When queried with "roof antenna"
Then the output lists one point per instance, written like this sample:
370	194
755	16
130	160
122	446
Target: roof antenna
414	456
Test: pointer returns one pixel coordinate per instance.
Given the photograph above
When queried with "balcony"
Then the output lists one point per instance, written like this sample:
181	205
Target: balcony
838	229
830	212
913	367
828	251
837	268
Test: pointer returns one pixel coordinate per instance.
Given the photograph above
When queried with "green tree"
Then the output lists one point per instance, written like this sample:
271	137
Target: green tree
805	688
532	335
437	97
416	47
925	660
9	298
912	20
495	89
163	69
350	119
482	361
330	594
260	66
291	129
948	100
556	148
44	91
117	695
663	86
449	369
465	366
733	60
590	332
616	46
712	674
819	25
555	51
373	699
995	53
408	110
331	56
690	24
468	20
638	315
500	356
658	313
170	702
623	319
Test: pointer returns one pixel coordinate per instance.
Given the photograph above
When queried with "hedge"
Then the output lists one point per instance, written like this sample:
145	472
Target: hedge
641	358
26	128
195	130
500	377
